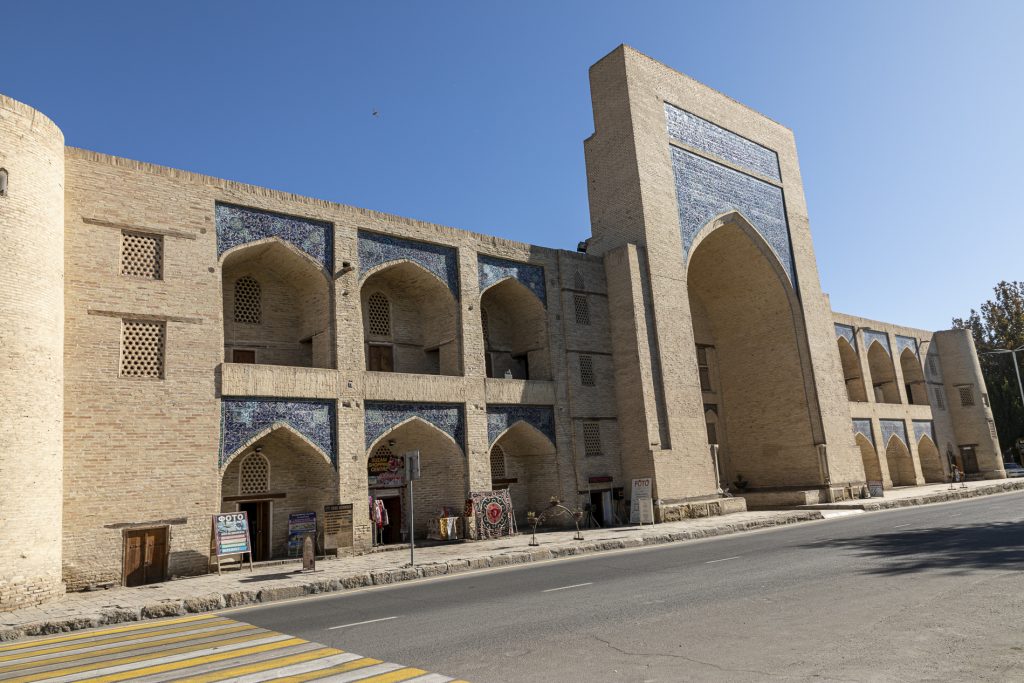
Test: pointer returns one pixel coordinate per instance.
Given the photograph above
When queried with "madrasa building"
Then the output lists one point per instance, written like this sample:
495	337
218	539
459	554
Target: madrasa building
174	345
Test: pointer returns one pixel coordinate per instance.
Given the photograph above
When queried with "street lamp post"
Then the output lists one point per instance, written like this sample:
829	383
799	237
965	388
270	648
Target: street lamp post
1016	368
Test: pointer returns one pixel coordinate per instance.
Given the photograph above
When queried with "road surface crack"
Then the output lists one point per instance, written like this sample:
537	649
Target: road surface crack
684	657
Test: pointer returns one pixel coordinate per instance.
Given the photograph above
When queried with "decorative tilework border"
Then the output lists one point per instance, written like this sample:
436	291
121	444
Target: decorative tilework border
244	418
705	190
492	270
500	418
923	428
905	343
890	427
847	333
706	136
863	426
876	336
380	416
237	225
376	249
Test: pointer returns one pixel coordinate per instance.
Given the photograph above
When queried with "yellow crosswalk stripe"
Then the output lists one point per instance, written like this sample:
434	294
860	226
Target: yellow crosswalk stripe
224	674
323	673
141	658
114	638
130	646
394	676
93	634
195	661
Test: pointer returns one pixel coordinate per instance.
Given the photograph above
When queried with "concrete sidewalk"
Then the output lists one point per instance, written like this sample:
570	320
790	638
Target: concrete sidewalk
280	581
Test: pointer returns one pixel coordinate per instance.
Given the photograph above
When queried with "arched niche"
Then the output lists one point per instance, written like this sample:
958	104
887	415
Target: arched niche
883	375
852	373
931	462
913	378
751	316
529	469
277	304
869	457
900	463
515	330
421	335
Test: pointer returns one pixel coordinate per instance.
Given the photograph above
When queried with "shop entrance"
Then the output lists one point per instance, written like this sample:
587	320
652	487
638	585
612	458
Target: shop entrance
259	527
145	556
389	530
601	508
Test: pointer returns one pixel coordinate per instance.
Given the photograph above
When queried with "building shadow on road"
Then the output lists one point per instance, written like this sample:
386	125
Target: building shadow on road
998	545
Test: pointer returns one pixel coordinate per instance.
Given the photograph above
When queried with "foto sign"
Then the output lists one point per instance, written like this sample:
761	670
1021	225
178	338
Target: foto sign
231	533
641	514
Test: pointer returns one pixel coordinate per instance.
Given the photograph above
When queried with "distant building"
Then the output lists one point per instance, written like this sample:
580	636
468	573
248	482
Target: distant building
174	345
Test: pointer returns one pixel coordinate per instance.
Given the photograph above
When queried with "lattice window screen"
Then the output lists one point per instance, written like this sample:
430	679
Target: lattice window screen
384	451
582	309
587	370
591	438
378	315
142	348
248	304
966	395
931	366
254	477
497	462
940	401
992	429
142	255
486	327
577	280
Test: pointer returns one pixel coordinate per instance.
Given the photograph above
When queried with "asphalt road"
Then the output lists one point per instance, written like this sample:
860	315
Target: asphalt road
928	593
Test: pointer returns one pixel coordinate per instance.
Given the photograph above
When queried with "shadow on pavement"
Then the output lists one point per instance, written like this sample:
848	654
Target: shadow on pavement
997	545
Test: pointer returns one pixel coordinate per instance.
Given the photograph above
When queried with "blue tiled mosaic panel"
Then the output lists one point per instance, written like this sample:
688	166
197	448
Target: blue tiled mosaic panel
923	428
863	426
707	137
375	249
905	343
238	225
244	418
880	337
705	189
380	416
847	333
500	418
890	427
492	270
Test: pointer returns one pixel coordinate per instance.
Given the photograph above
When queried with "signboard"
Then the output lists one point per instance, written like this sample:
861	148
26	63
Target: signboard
337	526
299	525
385	472
646	511
641	491
230	536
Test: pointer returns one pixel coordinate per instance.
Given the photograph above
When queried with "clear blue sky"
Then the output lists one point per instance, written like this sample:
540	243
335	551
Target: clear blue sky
907	114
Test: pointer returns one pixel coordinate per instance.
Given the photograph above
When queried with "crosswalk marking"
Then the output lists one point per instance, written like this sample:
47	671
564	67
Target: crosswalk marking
200	649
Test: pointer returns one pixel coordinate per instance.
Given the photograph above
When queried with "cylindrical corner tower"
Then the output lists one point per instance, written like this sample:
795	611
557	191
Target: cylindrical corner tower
31	356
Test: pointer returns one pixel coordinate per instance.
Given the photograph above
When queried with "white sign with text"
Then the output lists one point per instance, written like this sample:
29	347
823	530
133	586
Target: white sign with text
641	514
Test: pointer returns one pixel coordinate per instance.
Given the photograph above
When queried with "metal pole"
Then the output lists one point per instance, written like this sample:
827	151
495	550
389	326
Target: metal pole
718	476
1017	369
412	538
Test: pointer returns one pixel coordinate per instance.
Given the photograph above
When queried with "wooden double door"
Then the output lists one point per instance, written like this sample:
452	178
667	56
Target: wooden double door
145	556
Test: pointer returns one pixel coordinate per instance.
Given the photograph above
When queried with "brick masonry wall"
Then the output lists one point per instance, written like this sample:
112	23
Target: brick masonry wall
31	356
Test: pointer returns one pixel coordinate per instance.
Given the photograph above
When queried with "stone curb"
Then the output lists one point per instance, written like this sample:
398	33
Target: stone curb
945	496
216	601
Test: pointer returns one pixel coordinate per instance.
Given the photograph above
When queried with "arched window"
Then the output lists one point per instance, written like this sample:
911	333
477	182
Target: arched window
3	182
248	308
497	463
378	315
254	475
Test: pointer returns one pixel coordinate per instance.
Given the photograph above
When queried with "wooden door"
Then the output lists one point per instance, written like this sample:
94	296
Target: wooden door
259	527
145	556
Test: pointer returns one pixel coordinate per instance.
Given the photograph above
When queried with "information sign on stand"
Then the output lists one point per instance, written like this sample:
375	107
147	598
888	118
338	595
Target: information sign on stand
640	512
337	526
230	536
299	524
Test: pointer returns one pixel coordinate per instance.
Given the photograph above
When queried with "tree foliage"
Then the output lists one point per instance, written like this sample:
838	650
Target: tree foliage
999	326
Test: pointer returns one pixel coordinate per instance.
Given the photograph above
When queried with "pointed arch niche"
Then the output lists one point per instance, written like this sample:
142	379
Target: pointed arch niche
515	329
528	468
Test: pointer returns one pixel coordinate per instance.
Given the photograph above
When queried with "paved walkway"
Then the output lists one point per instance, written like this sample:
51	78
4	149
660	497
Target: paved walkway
282	581
199	649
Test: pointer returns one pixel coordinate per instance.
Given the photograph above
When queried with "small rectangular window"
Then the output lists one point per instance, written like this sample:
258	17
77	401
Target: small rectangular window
243	356
712	432
992	429
142	255
940	401
703	368
142	348
984	400
966	395
582	309
932	368
587	378
592	438
381	358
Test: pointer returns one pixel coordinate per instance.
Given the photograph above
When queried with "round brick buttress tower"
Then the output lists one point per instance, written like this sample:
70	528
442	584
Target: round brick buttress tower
31	355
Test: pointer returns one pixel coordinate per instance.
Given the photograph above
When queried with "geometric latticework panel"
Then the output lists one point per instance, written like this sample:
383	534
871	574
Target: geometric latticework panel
378	315
255	475
581	308
142	348
591	438
142	255
247	301
587	370
497	462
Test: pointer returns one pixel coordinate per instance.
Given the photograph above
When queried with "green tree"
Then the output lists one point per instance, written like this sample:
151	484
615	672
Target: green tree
1000	325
